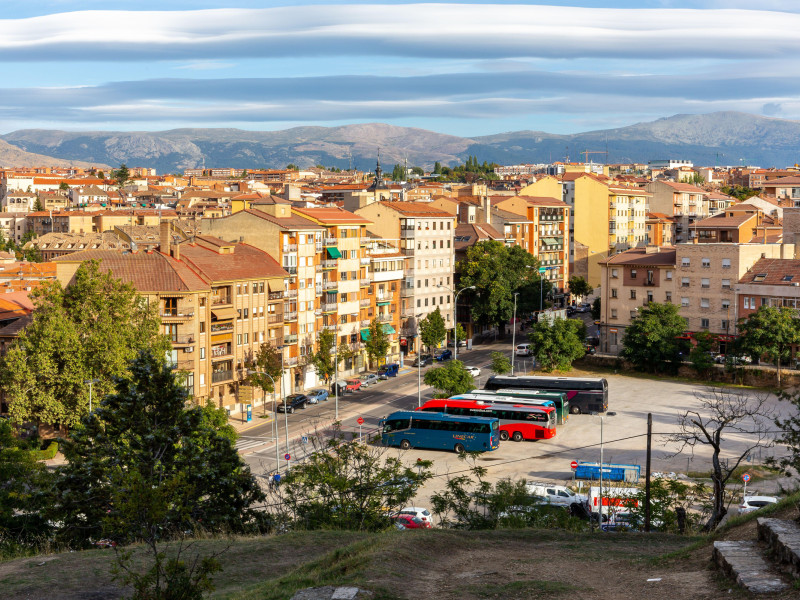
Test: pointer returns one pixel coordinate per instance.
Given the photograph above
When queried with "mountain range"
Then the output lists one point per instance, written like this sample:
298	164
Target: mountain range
721	138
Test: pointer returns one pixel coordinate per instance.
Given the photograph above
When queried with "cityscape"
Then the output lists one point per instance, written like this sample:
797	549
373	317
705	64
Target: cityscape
518	286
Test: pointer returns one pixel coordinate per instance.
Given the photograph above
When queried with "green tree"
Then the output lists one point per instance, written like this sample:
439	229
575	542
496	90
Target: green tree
292	167
63	186
789	436
450	379
90	330
651	341
596	309
579	287
349	486
432	329
556	346
398	173
143	460
37	205
496	271
266	367
500	363
417	171
770	332
700	355
101	175
121	175
378	343
322	359
23	495
437	168
461	335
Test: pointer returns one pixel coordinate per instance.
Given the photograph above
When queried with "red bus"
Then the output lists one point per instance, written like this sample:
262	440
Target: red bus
518	422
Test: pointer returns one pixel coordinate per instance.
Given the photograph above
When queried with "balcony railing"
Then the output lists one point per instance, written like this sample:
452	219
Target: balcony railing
275	318
275	296
329	264
364	282
177	314
290	247
385	318
329	306
290	294
290	361
365	260
364	302
217	351
290	316
330	241
220	300
365	322
221	327
290	339
330	285
218	376
182	340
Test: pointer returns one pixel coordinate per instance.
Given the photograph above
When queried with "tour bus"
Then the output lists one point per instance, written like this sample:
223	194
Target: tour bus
439	431
585	394
517	422
533	397
481	396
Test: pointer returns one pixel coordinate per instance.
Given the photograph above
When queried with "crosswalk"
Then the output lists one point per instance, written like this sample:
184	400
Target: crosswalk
245	443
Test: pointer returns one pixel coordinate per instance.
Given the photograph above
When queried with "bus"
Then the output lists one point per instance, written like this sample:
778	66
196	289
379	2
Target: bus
485	398
534	397
585	394
439	431
517	422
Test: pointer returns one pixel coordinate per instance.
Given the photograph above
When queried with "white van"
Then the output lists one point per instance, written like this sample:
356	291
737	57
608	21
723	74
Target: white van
523	350
557	495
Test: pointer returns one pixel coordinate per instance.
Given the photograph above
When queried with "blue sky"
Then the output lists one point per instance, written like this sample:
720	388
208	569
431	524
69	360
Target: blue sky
464	68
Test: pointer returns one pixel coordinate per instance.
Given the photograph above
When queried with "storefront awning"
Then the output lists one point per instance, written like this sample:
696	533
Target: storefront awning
223	314
387	329
334	252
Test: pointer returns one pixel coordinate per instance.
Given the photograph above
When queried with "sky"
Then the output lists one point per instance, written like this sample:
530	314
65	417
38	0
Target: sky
462	68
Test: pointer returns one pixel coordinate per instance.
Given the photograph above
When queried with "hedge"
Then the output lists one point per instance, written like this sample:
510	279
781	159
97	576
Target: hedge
46	454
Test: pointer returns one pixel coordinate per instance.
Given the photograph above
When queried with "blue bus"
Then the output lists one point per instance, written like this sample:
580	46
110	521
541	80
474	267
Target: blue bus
438	431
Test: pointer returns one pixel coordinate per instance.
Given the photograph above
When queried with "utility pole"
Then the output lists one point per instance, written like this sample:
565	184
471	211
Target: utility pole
647	473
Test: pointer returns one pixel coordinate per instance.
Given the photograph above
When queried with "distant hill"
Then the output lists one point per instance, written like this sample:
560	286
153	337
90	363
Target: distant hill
13	156
723	138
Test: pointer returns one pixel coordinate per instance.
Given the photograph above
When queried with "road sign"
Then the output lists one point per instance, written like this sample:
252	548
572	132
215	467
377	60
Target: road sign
287	456
304	439
573	464
360	420
746	477
542	270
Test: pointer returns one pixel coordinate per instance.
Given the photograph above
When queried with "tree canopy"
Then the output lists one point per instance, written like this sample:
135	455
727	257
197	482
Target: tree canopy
322	359
267	360
450	379
142	445
769	332
91	329
121	175
497	271
556	346
579	287
651	340
432	329
500	363
378	343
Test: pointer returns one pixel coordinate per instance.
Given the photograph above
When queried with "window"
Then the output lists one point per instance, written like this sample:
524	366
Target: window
613	293
202	326
669	275
787	278
246	311
633	294
704	323
684	301
238	339
202	352
685	262
633	273
759	277
613	313
706	263
746	302
614	273
726	304
726	263
669	297
726	284
684	282
725	324
705	283
704	303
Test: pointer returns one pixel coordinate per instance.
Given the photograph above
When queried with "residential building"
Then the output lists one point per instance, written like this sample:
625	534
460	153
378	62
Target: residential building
738	224
686	203
659	229
784	188
771	282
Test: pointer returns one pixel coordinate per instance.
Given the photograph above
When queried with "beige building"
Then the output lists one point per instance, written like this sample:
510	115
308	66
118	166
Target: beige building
685	202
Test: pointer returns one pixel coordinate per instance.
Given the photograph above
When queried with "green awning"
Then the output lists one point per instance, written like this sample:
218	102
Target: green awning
334	253
387	303
550	241
387	329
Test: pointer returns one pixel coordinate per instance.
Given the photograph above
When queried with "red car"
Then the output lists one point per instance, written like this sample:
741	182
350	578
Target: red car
353	385
410	522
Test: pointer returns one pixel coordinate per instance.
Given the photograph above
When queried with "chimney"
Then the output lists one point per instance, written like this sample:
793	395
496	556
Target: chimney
164	237
176	251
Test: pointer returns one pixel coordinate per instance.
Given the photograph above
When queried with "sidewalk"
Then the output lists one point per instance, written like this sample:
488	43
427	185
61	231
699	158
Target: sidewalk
239	420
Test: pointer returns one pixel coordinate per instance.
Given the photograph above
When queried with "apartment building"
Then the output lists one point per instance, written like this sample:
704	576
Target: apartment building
215	307
659	230
382	299
18	202
785	188
738	224
686	203
633	279
426	241
771	282
627	224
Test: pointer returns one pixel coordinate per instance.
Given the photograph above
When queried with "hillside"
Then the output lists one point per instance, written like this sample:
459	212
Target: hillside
12	156
441	564
724	138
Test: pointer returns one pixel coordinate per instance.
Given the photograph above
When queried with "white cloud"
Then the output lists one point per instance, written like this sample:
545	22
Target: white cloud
206	65
433	30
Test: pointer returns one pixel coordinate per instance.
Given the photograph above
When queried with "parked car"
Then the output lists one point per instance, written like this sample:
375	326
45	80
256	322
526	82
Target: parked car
751	503
585	307
317	395
353	385
590	349
389	370
474	371
461	343
416	511
410	522
293	402
368	379
341	384
442	355
523	350
422	360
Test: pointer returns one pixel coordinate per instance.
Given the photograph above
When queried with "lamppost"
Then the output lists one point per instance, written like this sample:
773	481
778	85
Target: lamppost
602	418
514	334
336	371
275	419
91	382
419	363
455	322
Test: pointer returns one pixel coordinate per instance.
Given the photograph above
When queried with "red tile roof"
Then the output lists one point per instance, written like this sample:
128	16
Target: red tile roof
417	209
775	270
332	216
245	262
640	257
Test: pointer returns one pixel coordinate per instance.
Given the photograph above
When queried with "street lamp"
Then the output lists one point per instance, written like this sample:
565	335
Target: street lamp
90	382
514	334
419	363
602	418
455	322
275	419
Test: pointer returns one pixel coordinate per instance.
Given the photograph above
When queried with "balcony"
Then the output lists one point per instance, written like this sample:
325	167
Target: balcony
365	260
330	285
364	282
384	318
182	340
407	232
290	247
364	302
290	361
275	296
221	327
176	315
318	312
275	318
221	351
318	246
220	376
290	294
329	264
289	316
330	241
221	300
290	339
329	307
407	292
290	270
365	322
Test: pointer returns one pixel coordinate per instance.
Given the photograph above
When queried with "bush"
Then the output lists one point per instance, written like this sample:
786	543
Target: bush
46	454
